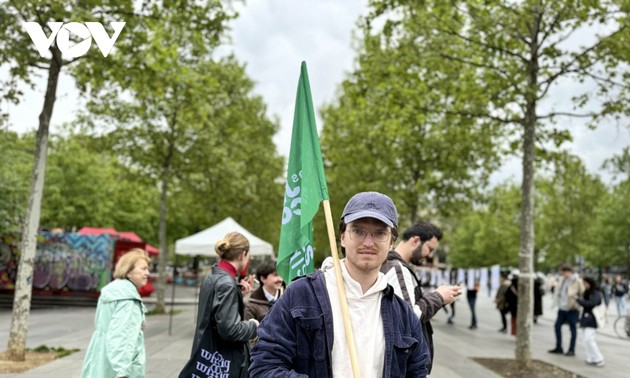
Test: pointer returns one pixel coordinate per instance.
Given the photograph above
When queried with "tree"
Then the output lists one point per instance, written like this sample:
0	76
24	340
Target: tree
22	60
519	51
609	244
195	112
80	185
17	158
565	197
377	136
487	234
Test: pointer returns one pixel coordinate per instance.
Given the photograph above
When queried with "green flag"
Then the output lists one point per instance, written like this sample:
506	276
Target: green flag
304	190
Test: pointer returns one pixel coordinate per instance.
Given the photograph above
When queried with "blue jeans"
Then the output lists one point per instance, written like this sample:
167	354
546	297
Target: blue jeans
621	305
570	317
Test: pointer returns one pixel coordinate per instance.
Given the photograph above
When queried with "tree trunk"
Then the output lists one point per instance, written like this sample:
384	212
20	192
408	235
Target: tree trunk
526	266
28	245
526	262
167	163
160	307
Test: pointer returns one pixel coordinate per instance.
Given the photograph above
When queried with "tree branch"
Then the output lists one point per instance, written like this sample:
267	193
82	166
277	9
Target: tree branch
567	114
567	67
474	64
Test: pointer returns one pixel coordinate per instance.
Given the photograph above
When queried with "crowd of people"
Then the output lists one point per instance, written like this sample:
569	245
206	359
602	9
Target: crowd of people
264	328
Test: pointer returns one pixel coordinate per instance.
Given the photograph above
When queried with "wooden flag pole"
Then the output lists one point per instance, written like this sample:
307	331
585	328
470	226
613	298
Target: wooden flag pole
342	290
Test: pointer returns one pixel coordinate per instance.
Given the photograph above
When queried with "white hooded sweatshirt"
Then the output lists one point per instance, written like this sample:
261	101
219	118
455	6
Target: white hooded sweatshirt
366	320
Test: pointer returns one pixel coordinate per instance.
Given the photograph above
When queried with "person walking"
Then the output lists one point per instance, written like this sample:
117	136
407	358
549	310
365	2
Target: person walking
511	298
220	343
606	288
117	345
591	298
539	291
501	301
471	296
569	289
261	299
450	314
419	242
304	334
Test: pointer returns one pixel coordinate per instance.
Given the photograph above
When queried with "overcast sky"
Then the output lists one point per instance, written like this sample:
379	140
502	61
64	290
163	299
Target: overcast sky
272	37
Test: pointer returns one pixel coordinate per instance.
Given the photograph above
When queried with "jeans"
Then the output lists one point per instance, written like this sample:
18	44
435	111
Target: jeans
621	305
570	317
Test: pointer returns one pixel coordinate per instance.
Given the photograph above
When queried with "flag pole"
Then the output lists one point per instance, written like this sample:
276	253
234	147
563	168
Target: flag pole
342	290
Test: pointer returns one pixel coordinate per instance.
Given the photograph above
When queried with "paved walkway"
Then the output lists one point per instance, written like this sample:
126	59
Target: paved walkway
454	344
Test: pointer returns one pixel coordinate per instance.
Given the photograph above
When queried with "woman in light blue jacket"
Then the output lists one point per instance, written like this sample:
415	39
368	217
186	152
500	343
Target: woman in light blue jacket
117	345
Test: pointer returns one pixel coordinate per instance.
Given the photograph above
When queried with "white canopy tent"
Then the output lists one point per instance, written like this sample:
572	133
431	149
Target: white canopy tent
202	243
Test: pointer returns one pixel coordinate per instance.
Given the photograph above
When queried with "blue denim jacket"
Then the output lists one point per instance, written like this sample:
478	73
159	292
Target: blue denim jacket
296	336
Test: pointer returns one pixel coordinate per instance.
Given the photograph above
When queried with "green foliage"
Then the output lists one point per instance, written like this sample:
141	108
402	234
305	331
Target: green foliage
80	185
565	200
488	234
440	88
609	242
15	165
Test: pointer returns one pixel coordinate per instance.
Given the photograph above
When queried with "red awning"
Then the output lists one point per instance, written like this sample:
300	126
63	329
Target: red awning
152	250
128	235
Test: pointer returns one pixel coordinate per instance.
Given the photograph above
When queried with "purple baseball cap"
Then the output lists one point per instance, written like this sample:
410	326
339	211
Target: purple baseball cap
371	205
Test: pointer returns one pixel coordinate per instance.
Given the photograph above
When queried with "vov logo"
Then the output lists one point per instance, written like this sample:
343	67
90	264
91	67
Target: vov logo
62	32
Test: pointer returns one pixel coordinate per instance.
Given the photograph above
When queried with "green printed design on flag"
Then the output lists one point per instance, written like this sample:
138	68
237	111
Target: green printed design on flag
305	188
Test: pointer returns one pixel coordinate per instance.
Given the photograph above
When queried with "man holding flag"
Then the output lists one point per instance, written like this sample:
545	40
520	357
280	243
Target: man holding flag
310	330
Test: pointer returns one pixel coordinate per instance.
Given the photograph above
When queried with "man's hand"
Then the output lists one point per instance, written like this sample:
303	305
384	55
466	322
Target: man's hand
449	293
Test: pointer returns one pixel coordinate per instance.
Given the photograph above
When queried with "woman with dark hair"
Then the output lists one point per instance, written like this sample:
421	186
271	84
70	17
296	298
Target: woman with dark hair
592	297
220	344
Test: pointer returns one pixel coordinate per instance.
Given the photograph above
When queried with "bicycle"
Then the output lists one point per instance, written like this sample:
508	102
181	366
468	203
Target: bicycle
622	327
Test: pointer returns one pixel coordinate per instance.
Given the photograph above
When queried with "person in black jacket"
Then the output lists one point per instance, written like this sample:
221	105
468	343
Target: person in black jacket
419	243
511	298
539	291
220	344
592	297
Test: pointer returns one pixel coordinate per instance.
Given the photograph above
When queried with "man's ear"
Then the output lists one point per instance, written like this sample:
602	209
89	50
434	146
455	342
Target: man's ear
343	239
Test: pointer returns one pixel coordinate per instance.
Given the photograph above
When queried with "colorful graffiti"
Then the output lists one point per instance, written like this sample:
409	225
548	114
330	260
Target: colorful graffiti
63	262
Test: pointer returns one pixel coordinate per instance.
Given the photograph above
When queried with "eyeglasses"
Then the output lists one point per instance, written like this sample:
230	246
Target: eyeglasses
359	235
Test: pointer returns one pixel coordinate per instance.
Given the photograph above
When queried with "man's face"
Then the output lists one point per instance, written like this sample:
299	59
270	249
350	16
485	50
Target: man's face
567	273
367	242
423	250
272	283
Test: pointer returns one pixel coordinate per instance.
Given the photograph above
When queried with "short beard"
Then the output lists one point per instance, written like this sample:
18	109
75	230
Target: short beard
416	255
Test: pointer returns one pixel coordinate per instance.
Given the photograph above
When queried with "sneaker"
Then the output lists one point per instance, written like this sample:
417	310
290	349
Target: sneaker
503	330
555	351
599	363
570	353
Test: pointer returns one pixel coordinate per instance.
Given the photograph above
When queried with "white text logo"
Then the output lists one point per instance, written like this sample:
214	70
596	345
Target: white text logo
62	32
